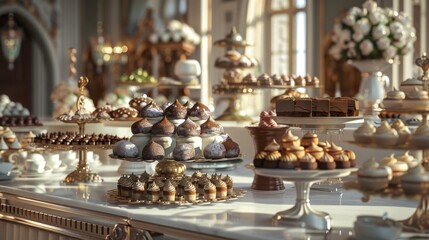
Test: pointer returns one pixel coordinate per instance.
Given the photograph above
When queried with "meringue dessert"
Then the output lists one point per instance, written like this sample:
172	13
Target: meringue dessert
372	176
364	133
416	181
409	160
385	135
398	168
420	138
393	99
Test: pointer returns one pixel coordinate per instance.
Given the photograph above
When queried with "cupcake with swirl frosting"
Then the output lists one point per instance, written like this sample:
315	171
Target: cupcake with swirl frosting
364	133
385	135
288	139
342	160
308	162
372	176
190	192
299	151
259	159
168	192
326	162
138	191
315	150
309	138
288	161
273	156
209	191
153	192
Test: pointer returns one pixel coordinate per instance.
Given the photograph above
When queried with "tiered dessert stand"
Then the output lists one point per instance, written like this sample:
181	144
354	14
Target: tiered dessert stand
231	86
419	221
83	173
302	214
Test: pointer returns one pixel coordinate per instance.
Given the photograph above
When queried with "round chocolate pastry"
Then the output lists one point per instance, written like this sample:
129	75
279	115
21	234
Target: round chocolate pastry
199	111
183	152
153	151
232	148
214	150
124	112
277	80
250	79
265	80
163	128
141	126
175	111
125	148
151	110
188	128
211	127
140	102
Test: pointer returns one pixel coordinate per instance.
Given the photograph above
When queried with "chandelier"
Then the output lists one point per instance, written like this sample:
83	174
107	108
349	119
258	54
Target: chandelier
11	38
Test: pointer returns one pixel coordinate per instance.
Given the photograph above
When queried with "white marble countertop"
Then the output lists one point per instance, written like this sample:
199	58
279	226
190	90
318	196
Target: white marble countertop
248	217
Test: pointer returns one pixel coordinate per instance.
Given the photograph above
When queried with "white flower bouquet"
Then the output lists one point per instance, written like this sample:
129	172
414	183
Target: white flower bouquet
372	32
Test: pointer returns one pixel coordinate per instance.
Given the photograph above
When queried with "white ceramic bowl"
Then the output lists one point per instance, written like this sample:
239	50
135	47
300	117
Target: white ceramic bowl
375	227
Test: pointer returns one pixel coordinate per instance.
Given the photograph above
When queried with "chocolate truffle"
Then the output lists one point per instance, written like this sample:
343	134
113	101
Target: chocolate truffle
153	151
163	127
125	148
141	126
199	112
151	110
140	102
232	148
183	152
175	111
211	127
214	150
188	128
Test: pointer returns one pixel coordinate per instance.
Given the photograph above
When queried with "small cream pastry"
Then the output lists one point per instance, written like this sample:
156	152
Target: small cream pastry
309	138
416	100
209	191
308	162
398	168
393	99
409	160
411	84
385	135
404	135
334	149
315	150
297	150
420	138
416	181
342	160
288	139
397	124
288	161
372	176
326	162
364	133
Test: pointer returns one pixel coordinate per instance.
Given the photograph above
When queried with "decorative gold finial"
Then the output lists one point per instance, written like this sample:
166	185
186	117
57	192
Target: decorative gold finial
423	62
81	83
73	60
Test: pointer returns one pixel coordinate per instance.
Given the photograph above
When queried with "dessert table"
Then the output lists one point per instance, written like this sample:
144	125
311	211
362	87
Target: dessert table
45	208
35	201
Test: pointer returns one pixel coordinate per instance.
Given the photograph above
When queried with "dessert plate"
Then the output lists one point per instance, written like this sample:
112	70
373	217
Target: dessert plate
316	121
222	163
11	175
25	174
298	174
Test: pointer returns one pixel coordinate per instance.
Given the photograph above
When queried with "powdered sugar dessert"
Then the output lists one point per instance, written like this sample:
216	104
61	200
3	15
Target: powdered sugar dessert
398	168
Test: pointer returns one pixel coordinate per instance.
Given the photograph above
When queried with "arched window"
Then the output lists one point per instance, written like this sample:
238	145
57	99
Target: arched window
286	36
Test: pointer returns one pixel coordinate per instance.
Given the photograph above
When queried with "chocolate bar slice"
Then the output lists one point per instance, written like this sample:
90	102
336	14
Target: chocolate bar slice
285	107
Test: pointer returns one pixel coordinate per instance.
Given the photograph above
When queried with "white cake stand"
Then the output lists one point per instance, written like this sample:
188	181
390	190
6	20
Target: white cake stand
302	214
